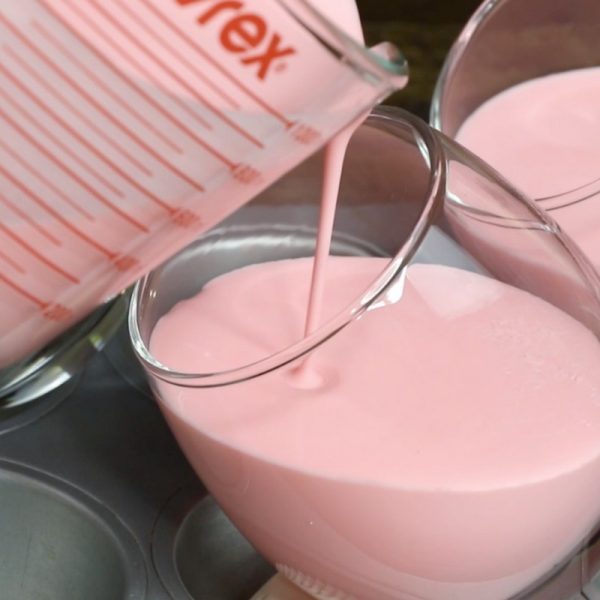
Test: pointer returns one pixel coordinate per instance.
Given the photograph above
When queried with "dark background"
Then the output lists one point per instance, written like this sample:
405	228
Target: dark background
424	30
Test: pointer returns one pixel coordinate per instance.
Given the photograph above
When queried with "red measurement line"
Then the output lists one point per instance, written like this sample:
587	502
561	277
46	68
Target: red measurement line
29	248
136	64
91	100
181	57
126	56
107	89
64	100
12	263
45	180
165	67
46	207
46	108
30	118
23	292
29	220
192	44
66	169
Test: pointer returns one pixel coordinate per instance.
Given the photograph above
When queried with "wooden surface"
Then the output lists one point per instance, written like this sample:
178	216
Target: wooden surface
424	30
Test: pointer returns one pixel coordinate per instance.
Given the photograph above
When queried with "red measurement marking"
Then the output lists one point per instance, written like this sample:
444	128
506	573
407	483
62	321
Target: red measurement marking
136	65
47	208
165	67
305	134
180	57
35	172
66	169
29	248
46	181
30	118
23	292
246	174
91	100
124	262
56	312
30	221
186	218
207	57
93	149
107	89
7	259
46	108
72	108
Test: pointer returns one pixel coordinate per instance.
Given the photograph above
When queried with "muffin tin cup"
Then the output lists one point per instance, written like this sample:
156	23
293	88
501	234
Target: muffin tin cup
58	542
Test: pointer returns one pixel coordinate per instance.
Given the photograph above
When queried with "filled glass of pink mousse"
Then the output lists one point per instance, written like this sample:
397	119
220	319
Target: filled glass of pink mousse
438	435
521	89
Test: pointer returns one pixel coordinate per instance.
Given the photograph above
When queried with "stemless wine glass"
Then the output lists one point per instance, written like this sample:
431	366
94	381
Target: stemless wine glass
464	512
508	42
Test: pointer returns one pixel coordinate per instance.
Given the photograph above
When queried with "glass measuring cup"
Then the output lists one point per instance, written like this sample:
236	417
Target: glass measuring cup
411	197
128	128
506	43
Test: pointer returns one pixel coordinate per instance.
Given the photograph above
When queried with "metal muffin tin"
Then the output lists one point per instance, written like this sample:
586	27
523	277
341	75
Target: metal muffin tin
98	503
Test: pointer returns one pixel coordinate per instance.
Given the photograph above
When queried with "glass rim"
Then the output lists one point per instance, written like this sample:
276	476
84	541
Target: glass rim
385	60
556	201
453	57
434	159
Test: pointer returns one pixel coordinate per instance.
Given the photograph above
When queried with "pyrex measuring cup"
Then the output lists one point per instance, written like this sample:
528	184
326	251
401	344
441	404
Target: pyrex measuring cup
457	509
129	127
506	43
